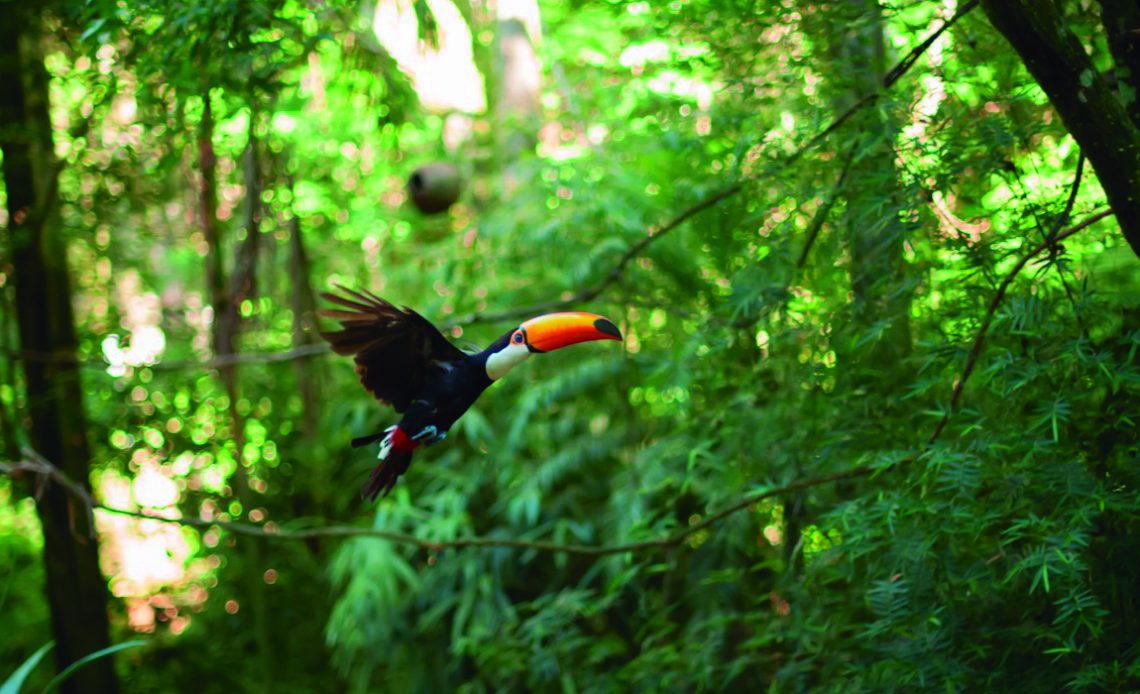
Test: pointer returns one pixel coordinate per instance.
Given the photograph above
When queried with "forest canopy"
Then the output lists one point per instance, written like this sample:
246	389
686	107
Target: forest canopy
872	425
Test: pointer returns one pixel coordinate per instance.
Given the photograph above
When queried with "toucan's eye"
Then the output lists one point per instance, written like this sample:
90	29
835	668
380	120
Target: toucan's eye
517	338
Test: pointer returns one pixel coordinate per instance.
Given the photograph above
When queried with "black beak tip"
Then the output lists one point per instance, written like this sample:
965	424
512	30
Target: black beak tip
607	327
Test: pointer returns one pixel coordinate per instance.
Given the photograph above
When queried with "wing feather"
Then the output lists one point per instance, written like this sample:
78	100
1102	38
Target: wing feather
396	350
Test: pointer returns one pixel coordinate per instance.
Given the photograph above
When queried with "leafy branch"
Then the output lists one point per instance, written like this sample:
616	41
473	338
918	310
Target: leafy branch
774	168
979	340
35	464
591	292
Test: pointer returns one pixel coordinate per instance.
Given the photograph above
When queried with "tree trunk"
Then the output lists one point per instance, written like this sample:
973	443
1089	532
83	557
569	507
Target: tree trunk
9	443
871	218
1122	24
226	326
76	590
304	322
1086	102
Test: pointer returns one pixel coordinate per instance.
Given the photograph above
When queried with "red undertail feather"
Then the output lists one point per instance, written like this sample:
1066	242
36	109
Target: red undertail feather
395	457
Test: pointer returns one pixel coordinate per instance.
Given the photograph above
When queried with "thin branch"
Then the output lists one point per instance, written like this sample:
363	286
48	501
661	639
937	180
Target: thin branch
217	362
245	358
1073	190
821	214
991	311
34	463
612	276
774	168
909	60
1053	252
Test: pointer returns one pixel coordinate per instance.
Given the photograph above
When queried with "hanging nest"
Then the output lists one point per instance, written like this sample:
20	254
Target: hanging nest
434	187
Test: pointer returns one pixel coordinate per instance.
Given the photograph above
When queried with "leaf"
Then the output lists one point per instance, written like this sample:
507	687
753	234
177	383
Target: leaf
16	681
93	29
90	658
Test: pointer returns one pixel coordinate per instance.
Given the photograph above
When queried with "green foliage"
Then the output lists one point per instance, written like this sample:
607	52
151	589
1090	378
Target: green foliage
16	681
74	667
25	614
811	323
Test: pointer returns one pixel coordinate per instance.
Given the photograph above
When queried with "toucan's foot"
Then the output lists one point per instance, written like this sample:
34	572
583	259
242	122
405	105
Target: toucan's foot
430	435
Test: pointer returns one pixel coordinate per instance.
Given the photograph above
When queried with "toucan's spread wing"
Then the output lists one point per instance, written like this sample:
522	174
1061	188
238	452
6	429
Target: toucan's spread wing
395	349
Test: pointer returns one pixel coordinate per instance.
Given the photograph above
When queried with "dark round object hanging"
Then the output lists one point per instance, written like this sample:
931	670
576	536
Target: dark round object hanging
434	187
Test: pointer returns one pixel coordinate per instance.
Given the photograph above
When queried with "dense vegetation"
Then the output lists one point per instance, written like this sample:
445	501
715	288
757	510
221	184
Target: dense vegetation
873	426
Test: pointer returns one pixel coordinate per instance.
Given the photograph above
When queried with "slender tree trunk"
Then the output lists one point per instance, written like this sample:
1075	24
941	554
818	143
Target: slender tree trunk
77	591
243	287
304	306
9	443
1088	105
226	303
873	229
306	370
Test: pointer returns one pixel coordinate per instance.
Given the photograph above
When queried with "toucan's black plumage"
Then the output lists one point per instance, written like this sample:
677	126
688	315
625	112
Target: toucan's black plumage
404	361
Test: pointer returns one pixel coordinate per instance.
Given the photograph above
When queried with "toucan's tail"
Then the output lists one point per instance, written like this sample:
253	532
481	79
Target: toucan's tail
395	456
385	474
365	440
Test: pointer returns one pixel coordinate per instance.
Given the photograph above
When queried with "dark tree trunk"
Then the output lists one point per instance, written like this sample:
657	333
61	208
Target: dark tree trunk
9	443
1086	102
1122	24
76	590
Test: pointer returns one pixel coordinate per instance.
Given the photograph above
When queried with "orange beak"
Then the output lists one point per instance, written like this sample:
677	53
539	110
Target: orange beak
557	330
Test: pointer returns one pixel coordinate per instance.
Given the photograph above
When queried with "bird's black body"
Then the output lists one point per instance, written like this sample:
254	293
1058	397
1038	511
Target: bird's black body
448	395
404	361
445	397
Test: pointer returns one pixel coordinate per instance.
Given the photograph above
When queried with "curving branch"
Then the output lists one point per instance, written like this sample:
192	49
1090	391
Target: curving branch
218	362
35	464
991	310
820	216
905	64
1073	190
612	276
45	472
775	167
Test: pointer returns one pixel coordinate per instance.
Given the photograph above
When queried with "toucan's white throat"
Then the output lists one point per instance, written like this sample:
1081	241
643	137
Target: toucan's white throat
499	363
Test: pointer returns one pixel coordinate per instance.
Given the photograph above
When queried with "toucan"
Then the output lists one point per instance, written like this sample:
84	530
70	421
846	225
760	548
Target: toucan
404	361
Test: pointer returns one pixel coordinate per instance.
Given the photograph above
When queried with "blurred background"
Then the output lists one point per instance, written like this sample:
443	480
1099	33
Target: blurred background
831	243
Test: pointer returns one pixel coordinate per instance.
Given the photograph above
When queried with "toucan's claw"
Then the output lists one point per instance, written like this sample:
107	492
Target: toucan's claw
428	432
429	435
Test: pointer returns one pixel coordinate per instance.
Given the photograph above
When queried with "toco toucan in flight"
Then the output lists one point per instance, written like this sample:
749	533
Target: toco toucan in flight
404	361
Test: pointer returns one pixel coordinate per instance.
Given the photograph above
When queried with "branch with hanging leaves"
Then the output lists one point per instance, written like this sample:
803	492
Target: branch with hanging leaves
44	472
775	167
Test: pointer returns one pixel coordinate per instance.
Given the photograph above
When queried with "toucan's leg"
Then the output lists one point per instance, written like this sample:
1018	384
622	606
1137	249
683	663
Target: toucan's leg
429	435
